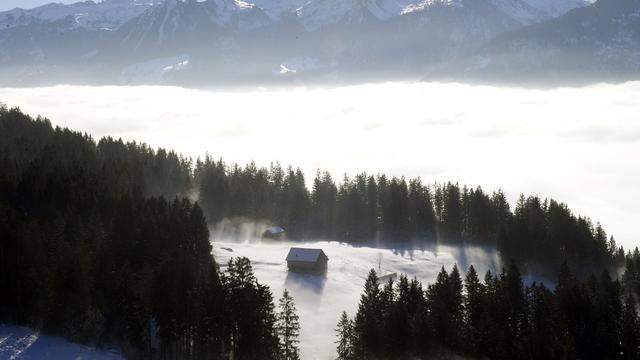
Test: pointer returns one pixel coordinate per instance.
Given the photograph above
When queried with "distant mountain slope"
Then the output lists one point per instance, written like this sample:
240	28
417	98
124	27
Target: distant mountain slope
600	39
54	42
555	8
104	15
210	40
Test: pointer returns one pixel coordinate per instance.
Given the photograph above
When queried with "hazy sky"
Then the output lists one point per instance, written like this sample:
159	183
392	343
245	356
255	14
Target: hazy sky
28	4
579	146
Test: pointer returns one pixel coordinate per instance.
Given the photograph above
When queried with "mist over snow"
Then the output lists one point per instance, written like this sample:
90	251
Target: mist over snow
321	299
577	145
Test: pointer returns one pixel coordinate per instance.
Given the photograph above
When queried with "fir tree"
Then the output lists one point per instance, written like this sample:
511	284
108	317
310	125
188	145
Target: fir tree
473	310
367	320
288	327
630	331
344	332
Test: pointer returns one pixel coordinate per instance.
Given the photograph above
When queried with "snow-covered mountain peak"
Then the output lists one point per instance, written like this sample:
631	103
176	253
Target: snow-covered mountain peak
245	15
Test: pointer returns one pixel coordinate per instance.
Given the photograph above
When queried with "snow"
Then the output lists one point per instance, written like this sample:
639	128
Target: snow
17	342
239	15
300	64
386	9
285	70
244	5
424	4
321	298
153	71
313	14
275	230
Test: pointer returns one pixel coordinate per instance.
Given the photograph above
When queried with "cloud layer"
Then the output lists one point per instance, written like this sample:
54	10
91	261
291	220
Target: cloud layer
577	145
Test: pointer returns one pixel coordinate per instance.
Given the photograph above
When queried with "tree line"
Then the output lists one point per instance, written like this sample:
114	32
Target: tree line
367	207
494	318
99	243
362	208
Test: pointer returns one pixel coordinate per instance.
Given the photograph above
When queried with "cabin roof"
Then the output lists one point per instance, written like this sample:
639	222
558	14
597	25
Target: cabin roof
275	230
305	255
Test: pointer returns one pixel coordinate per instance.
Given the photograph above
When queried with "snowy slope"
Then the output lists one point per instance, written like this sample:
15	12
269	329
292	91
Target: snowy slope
316	14
321	299
107	15
17	342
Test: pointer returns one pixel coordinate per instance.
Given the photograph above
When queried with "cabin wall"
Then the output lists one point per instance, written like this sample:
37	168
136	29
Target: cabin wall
319	266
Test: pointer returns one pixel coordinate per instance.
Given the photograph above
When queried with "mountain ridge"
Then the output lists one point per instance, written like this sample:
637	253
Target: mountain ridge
213	41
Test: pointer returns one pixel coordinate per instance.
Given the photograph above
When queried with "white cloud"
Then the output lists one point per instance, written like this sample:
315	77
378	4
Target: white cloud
577	145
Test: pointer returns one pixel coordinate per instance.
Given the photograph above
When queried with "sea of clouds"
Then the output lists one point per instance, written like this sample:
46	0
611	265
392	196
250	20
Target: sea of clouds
577	145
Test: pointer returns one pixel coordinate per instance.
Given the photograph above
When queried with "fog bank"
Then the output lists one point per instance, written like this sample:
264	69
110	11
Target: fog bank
577	145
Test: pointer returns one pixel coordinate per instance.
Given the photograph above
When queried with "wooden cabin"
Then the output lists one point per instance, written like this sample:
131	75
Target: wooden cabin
307	260
274	233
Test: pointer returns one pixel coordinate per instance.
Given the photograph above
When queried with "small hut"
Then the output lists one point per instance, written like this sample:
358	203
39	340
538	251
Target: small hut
307	260
274	233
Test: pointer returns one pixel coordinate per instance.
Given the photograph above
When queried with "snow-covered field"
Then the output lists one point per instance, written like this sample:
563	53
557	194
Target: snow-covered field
321	299
17	342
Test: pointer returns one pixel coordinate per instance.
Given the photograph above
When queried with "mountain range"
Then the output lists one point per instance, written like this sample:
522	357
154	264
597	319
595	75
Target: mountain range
208	42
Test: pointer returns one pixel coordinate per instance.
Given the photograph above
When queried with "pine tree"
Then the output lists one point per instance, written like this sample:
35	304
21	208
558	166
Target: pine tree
473	308
288	328
345	334
515	302
367	319
630	331
455	308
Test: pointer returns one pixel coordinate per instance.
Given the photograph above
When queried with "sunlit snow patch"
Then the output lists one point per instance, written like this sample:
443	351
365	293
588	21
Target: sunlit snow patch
299	64
286	70
154	71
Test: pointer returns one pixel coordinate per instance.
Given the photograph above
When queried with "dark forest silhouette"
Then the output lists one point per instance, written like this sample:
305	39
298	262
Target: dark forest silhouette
498	318
366	207
98	244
